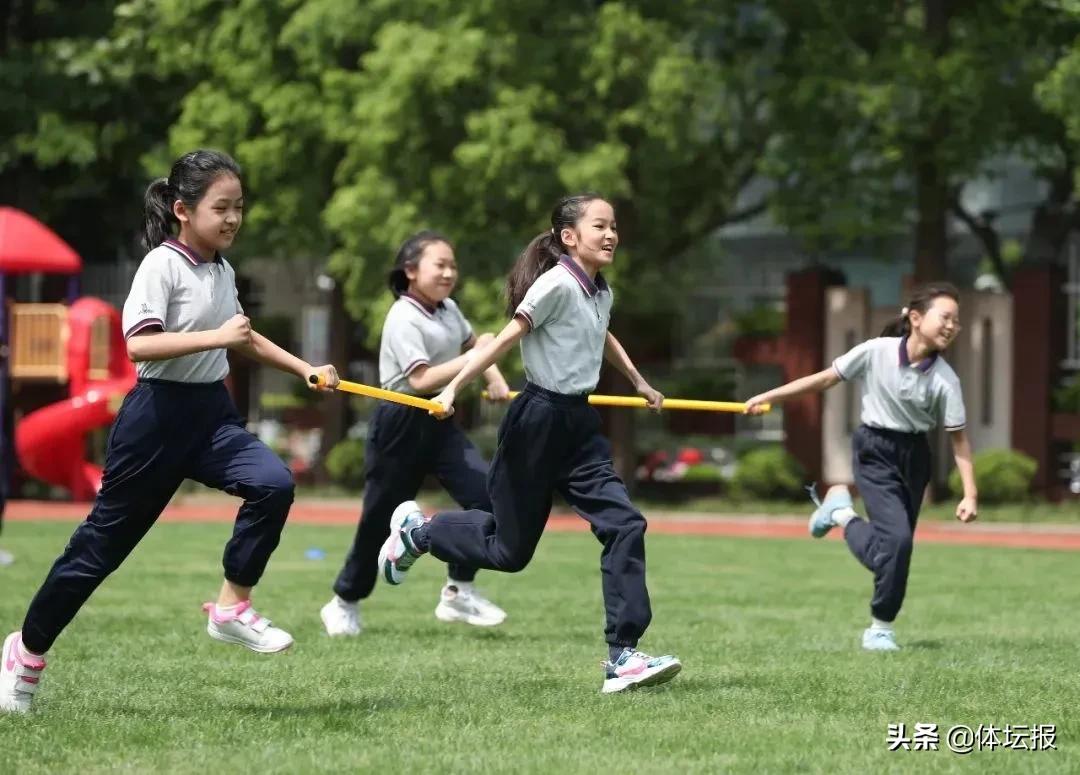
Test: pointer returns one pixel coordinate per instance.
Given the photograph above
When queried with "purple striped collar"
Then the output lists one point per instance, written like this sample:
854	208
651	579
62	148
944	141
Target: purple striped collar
422	305
179	247
924	365
591	288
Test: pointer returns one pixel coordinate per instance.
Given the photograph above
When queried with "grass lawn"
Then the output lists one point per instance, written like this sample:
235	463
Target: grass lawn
768	632
1066	512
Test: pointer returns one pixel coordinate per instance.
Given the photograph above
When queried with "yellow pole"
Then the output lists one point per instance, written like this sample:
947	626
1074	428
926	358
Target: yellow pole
636	402
432	407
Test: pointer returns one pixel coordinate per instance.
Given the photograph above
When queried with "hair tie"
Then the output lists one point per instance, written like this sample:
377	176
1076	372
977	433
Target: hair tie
904	311
552	231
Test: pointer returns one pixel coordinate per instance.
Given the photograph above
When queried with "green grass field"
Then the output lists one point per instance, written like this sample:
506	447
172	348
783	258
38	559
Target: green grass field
773	679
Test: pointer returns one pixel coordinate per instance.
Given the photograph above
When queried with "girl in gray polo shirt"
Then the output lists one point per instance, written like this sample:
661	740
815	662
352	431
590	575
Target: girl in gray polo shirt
550	439
177	423
908	389
426	341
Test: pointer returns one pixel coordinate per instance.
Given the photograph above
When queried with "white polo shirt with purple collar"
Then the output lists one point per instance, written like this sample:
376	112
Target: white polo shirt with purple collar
416	334
176	291
899	395
568	316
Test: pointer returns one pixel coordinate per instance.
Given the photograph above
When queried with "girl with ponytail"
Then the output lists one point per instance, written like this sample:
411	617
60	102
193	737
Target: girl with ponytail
181	318
908	389
550	439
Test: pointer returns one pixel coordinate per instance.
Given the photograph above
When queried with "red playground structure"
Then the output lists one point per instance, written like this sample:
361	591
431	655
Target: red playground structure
78	343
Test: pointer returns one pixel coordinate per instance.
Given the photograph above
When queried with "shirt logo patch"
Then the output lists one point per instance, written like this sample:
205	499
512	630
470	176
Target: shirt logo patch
144	309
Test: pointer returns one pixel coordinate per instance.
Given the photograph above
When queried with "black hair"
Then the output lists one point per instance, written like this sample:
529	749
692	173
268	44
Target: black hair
545	249
191	175
409	255
921	300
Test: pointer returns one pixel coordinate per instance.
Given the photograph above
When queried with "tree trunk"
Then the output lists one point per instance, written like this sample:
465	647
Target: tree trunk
931	188
931	234
336	410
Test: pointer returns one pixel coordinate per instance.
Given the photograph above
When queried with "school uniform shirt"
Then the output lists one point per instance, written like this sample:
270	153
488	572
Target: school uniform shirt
568	315
416	334
177	292
899	395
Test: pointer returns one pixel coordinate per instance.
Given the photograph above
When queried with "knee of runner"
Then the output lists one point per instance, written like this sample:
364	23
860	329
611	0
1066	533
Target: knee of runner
278	486
514	562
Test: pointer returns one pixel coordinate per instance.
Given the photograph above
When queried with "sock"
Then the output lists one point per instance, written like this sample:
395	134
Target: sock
614	652
877	624
418	537
844	515
226	609
460	586
26	655
343	603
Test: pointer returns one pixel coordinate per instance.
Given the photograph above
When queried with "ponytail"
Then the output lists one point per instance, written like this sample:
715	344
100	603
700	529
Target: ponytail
921	300
898	326
159	218
545	250
542	254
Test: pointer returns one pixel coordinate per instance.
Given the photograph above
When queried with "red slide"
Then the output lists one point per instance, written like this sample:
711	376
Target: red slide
51	442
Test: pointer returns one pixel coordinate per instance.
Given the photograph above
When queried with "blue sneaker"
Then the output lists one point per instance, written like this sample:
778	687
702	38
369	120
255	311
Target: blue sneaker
634	668
879	640
822	521
398	553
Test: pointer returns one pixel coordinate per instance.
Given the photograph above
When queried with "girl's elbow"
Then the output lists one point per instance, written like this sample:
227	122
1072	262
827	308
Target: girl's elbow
420	382
134	352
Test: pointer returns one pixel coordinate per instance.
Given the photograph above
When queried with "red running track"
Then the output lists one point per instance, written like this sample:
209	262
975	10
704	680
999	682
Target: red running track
314	512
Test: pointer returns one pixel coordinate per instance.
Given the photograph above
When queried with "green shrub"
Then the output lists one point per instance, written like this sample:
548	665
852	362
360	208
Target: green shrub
702	472
769	472
345	463
1002	476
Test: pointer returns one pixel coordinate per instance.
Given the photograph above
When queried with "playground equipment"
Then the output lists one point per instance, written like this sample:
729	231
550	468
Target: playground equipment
78	343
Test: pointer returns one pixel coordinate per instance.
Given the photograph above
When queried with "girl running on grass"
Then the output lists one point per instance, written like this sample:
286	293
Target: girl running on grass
177	423
908	389
550	439
426	341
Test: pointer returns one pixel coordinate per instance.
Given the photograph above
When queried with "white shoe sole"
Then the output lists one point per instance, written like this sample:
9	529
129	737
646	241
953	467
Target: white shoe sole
387	571
217	634
658	676
446	613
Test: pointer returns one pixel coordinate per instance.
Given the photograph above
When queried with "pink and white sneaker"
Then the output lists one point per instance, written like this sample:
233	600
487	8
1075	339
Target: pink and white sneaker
19	676
634	669
243	626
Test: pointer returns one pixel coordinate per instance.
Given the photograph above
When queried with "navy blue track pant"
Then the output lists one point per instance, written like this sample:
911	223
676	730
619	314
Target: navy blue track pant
164	433
892	470
404	445
552	443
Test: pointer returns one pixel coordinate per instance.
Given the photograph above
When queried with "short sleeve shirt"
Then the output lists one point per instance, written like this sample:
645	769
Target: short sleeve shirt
899	395
568	316
176	291
416	334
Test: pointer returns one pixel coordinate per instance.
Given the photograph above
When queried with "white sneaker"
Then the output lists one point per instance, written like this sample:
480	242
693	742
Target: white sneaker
398	554
341	617
245	627
461	603
19	677
879	640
